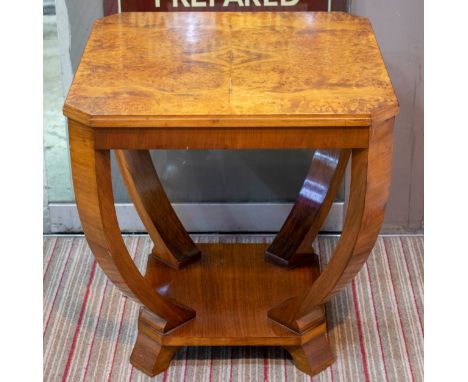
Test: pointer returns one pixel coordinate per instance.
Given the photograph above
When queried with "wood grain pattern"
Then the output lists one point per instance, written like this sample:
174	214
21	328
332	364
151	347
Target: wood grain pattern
370	182
164	69
313	356
148	354
173	245
293	243
93	192
231	81
231	288
232	138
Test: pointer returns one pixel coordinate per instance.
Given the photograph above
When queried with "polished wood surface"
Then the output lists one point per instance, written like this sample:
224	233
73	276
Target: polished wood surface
231	288
293	243
186	138
93	192
313	356
173	245
370	182
229	81
226	69
148	354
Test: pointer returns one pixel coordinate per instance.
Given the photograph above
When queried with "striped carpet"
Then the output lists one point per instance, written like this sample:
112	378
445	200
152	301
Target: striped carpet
376	324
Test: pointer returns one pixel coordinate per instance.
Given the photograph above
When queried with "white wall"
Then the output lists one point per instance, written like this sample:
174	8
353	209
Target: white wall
74	22
399	29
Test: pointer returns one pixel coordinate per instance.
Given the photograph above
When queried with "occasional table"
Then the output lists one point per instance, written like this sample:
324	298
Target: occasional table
232	81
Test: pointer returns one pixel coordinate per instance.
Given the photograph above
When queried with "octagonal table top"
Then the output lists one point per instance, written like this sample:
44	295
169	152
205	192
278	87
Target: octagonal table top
171	69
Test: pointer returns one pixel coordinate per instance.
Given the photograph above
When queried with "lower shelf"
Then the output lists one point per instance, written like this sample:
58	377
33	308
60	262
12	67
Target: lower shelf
231	289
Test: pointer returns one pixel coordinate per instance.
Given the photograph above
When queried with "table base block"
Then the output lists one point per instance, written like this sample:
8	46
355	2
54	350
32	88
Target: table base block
231	289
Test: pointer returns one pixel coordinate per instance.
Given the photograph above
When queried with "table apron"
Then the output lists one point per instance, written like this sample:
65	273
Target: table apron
231	138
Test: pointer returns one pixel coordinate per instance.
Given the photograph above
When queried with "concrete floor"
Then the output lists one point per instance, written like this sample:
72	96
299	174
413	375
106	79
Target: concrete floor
57	177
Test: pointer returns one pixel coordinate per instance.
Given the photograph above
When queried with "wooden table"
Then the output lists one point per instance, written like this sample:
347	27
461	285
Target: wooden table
232	81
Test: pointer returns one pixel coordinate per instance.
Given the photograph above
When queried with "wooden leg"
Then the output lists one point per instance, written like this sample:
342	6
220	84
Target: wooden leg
151	357
312	357
173	245
95	202
370	181
293	243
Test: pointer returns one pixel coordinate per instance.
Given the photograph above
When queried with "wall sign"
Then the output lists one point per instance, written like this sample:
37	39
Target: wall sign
222	5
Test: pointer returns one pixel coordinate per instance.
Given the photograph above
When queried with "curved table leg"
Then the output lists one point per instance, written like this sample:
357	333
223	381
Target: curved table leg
293	243
370	180
173	245
95	201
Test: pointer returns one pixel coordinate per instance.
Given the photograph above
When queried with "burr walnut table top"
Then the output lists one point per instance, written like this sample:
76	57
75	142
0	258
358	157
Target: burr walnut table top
231	69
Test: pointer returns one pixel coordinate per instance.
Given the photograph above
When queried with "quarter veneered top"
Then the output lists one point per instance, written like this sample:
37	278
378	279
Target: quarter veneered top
230	69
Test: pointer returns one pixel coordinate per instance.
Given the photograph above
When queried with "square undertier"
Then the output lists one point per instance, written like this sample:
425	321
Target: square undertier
231	289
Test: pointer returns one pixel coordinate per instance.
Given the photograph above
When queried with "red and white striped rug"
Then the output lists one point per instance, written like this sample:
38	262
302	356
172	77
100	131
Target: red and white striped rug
376	324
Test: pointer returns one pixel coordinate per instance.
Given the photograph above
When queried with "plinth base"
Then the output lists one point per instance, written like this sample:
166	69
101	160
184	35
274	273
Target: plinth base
231	289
